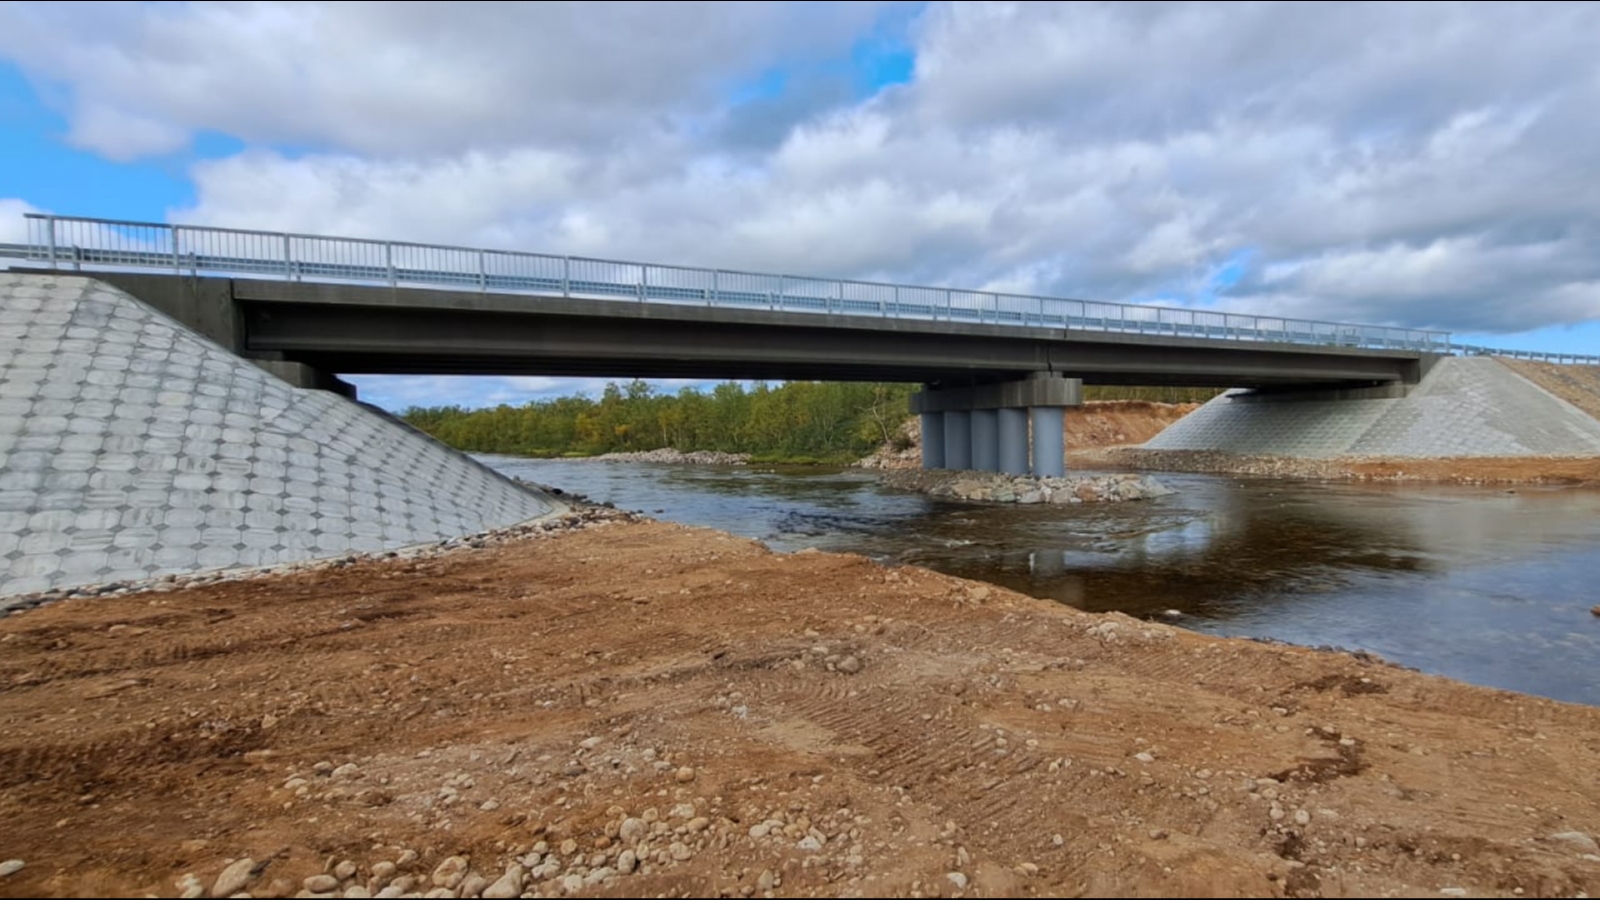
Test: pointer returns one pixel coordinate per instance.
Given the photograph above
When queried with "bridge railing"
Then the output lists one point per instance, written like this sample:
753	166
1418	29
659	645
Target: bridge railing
85	243
1581	359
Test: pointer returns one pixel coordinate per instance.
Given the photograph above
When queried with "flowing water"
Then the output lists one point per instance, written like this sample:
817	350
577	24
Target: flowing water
1488	585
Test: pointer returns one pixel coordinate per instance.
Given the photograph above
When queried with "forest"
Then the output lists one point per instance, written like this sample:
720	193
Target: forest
790	422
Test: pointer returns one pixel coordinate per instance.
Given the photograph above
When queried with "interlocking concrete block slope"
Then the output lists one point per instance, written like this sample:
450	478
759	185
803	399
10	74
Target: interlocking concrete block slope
131	447
1466	406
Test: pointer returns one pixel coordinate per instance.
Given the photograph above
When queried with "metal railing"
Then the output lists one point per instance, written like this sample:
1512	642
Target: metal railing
1578	359
87	244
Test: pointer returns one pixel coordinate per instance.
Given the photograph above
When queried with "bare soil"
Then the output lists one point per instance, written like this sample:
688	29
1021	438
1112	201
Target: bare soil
742	723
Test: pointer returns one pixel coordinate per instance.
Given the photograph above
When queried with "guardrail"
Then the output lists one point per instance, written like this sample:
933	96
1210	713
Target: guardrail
108	243
1580	359
117	244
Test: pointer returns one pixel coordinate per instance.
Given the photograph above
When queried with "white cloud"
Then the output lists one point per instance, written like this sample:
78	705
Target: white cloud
424	78
13	227
1408	163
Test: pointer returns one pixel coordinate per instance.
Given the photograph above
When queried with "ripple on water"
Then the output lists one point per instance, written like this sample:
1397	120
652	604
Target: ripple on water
1476	583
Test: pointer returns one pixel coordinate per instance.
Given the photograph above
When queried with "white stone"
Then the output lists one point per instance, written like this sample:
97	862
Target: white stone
1577	840
233	878
11	867
633	831
508	885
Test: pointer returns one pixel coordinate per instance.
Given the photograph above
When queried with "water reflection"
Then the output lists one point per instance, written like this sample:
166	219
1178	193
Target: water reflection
1488	585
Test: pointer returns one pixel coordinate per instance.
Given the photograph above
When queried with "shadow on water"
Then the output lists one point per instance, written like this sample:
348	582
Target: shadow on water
1487	585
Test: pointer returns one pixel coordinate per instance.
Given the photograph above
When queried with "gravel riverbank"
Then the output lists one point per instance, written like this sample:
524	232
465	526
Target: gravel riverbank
994	487
674	457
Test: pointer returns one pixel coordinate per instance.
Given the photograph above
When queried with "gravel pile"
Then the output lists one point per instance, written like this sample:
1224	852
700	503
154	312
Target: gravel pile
995	487
677	457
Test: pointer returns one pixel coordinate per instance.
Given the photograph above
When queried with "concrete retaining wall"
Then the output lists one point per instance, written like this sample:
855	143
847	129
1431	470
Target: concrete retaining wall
131	447
1464	407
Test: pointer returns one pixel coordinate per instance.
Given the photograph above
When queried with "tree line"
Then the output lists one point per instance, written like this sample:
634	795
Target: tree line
795	421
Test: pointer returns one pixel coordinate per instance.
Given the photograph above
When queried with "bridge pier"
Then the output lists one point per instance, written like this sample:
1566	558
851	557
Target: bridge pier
933	440
985	427
986	440
1049	440
958	439
1013	441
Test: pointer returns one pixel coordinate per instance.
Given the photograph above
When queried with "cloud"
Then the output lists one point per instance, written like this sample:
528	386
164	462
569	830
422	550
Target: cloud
1415	164
13	227
423	78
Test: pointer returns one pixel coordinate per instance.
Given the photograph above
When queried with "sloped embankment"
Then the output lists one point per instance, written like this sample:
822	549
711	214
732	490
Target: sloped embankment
132	448
1578	385
1471	421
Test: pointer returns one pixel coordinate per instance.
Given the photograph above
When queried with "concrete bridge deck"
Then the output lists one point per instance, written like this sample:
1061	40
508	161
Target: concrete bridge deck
362	329
361	306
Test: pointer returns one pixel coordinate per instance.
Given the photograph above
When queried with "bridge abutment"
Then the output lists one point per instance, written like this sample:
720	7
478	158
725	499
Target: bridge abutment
303	376
985	427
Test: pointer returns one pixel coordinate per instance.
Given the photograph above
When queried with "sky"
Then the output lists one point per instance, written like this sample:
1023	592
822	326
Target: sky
1430	165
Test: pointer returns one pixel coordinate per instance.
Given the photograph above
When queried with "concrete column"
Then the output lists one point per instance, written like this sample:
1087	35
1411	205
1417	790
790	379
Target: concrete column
1013	426
1049	441
958	440
986	440
932	440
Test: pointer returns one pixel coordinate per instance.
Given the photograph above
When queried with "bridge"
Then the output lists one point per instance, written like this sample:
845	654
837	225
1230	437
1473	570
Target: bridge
308	306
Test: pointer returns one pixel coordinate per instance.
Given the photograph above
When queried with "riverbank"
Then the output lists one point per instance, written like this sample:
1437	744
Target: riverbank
995	487
1470	470
669	456
650	709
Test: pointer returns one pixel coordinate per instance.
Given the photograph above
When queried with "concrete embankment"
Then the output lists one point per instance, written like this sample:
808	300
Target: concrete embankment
1464	407
131	448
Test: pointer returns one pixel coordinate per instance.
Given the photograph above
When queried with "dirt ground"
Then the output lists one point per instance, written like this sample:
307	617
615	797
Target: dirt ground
642	709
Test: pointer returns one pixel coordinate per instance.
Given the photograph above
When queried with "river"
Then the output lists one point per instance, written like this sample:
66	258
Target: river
1488	585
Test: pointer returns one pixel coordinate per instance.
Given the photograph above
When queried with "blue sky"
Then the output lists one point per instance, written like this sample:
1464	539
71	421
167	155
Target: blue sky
1119	152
